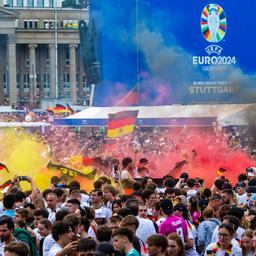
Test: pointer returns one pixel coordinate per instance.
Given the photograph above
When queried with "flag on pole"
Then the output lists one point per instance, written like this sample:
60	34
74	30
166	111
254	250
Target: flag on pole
70	109
130	99
121	123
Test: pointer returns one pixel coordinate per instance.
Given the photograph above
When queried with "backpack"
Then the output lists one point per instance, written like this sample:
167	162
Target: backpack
24	236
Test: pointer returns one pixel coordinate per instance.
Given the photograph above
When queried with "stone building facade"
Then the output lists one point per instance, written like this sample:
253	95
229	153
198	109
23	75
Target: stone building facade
30	43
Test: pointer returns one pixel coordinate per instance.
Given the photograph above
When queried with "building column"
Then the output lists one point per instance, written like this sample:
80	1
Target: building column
53	67
32	72
72	71
12	83
1	79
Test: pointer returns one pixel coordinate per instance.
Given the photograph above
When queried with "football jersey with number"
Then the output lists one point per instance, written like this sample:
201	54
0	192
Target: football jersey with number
174	224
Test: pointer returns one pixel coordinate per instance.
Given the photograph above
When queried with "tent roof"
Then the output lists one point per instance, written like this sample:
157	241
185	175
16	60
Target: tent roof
157	115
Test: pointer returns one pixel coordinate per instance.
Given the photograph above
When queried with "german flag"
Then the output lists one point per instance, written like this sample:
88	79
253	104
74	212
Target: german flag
3	167
221	171
86	161
70	109
130	99
6	184
59	109
121	123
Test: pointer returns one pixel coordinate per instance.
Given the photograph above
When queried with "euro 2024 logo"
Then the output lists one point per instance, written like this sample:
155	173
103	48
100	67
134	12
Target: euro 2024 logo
213	27
213	23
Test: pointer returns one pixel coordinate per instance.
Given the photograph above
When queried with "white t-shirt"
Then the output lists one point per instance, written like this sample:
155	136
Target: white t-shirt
36	232
103	212
51	216
236	250
146	228
48	244
159	221
125	175
85	199
190	193
192	234
242	199
55	249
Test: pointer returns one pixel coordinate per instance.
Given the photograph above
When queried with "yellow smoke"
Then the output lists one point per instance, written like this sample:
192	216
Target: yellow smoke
23	155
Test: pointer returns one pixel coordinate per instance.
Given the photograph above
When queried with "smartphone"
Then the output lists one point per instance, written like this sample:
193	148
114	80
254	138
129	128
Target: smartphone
23	178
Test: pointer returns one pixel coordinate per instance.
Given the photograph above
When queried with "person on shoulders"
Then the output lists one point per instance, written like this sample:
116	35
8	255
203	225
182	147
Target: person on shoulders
126	173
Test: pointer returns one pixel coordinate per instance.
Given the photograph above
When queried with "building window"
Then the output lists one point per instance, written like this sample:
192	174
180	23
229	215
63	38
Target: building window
66	85
50	3
5	78
48	24
18	81
67	59
26	81
31	24
66	80
20	3
40	3
84	84
27	62
77	80
9	3
37	80
46	81
30	3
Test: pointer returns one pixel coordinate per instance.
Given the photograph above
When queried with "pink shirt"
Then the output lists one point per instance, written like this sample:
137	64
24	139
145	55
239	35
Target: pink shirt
195	217
174	224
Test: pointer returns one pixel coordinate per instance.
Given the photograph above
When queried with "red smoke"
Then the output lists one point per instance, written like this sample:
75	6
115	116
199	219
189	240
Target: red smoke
211	153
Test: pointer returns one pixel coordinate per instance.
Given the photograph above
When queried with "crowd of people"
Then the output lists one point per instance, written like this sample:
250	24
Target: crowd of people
128	212
133	217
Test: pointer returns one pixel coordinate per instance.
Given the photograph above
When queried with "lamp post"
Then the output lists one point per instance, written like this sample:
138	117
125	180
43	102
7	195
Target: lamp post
56	47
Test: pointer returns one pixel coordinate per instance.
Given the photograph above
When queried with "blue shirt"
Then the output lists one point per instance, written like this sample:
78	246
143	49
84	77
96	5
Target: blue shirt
132	252
9	213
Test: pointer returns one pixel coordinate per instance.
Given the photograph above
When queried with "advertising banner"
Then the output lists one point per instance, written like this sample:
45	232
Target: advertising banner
176	51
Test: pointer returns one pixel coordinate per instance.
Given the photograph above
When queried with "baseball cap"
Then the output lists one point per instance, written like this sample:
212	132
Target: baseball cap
104	249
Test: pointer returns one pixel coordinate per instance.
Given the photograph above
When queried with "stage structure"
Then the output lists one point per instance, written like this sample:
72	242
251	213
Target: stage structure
174	115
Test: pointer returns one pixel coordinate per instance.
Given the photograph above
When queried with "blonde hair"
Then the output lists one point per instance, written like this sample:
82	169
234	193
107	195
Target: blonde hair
208	212
39	203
